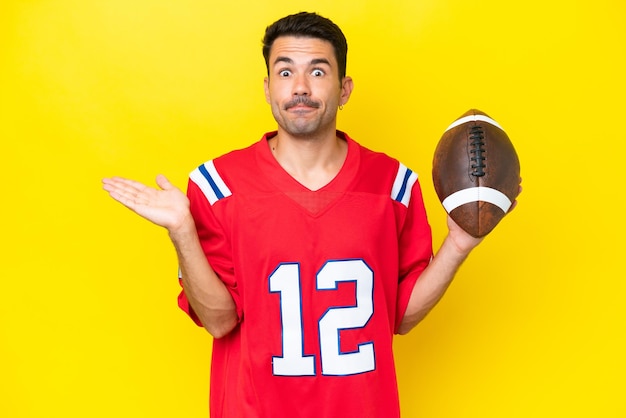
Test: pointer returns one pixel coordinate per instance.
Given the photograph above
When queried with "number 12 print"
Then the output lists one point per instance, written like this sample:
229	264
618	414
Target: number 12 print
285	280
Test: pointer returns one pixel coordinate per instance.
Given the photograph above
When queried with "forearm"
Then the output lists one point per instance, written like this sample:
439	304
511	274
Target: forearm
207	294
433	283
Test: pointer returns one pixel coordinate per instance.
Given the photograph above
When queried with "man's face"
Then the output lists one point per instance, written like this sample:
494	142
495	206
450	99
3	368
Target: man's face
303	86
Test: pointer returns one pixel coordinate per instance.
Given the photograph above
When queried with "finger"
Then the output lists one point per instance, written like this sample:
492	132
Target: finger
130	193
163	182
124	199
112	185
126	187
514	204
128	184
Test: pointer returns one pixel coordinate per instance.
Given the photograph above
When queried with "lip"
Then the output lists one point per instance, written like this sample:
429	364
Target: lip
301	108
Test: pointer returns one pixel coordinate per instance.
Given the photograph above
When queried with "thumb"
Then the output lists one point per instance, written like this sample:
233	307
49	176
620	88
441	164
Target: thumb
163	182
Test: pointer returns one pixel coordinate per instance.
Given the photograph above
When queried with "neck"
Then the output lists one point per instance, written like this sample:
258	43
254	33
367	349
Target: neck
312	161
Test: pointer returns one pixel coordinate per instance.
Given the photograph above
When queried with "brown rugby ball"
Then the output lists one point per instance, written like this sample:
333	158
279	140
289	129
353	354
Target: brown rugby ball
476	172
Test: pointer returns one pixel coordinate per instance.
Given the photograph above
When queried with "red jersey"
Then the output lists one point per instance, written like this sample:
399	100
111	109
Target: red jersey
321	280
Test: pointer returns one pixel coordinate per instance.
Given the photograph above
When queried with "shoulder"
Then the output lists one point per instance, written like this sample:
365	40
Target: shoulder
236	159
379	171
370	159
216	177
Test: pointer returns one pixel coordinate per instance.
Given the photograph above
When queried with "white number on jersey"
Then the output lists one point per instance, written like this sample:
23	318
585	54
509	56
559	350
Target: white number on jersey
293	362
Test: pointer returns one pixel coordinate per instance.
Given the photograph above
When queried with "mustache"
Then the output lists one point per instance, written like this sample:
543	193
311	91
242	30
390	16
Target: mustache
301	100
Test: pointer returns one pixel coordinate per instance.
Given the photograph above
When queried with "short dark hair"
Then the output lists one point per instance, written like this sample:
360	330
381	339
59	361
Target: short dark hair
308	25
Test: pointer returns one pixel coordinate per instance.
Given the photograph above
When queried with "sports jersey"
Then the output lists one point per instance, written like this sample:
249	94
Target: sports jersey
320	280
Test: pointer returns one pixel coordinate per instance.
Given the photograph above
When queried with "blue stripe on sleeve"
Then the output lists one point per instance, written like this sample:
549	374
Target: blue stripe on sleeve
407	175
207	176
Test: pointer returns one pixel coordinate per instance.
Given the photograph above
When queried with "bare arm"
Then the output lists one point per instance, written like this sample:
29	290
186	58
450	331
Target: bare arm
436	278
169	207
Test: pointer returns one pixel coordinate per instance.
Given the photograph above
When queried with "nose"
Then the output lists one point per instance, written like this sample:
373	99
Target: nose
301	85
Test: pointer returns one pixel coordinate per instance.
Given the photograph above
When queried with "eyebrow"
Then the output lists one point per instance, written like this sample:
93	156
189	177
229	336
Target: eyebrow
314	61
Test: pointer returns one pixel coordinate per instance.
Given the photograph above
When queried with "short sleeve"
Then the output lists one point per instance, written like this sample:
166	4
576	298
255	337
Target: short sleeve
415	249
208	197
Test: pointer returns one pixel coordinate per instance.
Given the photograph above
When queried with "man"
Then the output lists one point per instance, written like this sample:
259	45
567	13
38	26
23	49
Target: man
304	253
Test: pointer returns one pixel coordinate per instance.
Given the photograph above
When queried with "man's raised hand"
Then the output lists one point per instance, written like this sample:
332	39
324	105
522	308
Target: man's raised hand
167	206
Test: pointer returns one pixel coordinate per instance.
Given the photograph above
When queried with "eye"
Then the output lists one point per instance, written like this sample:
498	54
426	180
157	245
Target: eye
284	73
317	73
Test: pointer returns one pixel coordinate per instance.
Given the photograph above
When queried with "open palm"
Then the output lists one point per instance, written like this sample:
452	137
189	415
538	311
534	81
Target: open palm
167	207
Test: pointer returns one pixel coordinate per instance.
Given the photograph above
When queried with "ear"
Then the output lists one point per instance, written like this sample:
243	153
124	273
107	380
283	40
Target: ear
346	90
266	86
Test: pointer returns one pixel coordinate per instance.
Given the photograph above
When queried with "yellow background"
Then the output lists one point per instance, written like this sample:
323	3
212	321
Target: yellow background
533	326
